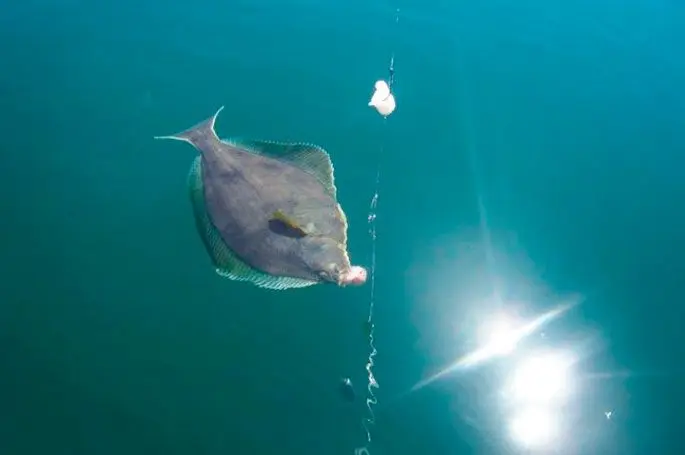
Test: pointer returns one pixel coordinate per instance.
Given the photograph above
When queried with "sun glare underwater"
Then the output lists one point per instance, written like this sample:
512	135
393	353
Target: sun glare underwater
539	399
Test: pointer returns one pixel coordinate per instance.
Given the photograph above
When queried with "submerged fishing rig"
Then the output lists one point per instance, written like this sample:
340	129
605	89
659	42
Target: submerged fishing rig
383	101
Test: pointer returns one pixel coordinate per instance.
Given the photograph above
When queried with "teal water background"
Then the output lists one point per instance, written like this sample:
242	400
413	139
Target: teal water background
536	154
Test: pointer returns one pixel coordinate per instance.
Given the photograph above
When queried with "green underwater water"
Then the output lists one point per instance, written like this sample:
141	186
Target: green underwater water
535	157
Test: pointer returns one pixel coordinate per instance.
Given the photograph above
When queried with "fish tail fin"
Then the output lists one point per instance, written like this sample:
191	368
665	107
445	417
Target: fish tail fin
198	134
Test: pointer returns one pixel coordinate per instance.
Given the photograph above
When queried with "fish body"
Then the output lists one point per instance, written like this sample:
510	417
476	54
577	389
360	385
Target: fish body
244	193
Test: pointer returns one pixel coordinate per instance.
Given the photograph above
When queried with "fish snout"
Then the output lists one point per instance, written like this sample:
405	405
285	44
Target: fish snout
350	276
355	276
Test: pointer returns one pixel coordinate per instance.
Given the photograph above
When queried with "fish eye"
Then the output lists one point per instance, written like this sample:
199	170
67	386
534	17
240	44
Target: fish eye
329	272
323	274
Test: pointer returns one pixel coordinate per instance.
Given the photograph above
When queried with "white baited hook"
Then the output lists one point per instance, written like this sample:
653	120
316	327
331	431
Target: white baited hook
382	99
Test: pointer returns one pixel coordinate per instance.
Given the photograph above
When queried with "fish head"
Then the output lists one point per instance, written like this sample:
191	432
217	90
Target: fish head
327	260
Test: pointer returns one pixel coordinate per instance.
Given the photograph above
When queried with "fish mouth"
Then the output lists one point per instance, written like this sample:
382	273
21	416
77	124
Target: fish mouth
353	276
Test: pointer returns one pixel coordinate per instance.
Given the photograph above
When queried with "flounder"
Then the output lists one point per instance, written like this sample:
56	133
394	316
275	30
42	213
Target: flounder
267	212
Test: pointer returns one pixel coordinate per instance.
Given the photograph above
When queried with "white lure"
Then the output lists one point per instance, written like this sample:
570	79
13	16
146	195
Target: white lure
382	99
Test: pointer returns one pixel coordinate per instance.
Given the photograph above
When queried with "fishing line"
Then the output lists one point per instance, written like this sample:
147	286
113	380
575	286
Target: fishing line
384	102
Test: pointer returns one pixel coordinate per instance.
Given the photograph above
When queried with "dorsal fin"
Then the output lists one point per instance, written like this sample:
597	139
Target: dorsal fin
308	157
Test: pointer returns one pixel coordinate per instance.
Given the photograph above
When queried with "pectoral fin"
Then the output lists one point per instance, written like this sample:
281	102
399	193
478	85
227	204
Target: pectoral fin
286	225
